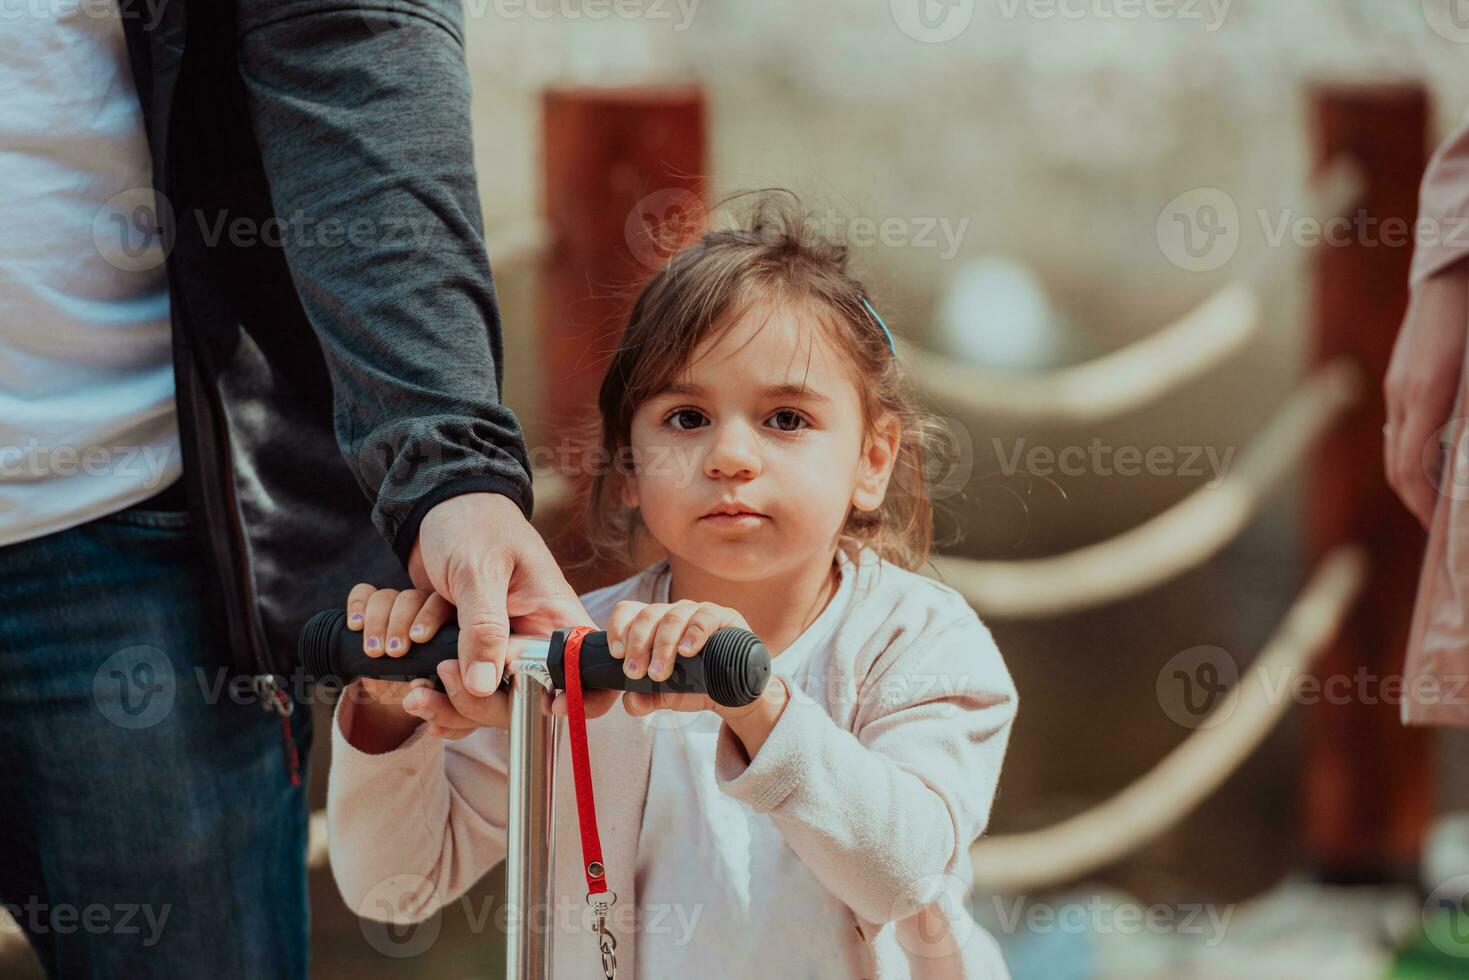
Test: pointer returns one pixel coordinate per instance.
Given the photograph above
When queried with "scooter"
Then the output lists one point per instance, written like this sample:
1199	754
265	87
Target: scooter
732	668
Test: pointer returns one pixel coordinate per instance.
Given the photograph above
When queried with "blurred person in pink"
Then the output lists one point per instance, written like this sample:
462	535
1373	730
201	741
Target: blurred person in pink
1426	404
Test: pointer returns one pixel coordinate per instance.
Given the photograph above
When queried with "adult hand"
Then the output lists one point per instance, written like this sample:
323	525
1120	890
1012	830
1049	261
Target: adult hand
479	552
1421	383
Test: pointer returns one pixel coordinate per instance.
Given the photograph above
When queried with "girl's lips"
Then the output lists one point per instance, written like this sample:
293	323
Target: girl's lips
733	508
742	519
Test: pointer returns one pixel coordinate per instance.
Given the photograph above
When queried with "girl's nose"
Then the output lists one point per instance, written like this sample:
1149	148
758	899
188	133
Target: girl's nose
734	453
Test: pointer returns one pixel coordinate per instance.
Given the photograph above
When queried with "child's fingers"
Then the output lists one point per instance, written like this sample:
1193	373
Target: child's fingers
665	638
638	703
435	613
435	707
635	703
617	621
638	639
357	604
375	620
405	608
707	620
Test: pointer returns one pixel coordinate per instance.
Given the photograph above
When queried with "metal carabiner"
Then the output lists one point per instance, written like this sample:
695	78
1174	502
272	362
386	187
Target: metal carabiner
606	941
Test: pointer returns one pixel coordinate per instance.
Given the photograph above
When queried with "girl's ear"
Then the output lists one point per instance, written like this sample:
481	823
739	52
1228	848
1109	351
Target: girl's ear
875	469
628	489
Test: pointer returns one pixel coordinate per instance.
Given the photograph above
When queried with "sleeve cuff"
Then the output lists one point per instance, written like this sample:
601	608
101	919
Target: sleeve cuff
780	765
413	758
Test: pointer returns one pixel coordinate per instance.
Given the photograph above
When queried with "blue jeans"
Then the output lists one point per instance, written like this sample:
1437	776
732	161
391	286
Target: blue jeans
148	827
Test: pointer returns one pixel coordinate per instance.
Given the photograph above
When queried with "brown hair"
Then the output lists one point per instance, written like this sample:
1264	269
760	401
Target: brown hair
771	254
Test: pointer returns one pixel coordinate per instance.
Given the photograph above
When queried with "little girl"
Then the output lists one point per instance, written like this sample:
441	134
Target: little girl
823	831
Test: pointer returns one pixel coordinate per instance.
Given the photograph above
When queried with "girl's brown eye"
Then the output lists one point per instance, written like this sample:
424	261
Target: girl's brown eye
685	415
788	415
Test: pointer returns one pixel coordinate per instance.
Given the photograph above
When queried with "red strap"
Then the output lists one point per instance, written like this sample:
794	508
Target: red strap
288	744
586	806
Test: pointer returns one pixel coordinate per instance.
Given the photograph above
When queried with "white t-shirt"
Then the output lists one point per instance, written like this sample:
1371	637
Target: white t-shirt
715	878
87	418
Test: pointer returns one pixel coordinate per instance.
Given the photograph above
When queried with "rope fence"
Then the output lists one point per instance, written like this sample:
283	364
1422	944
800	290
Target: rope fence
1236	726
1179	539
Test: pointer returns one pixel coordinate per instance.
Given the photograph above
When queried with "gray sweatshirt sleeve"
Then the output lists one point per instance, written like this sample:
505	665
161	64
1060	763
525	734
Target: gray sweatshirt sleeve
362	117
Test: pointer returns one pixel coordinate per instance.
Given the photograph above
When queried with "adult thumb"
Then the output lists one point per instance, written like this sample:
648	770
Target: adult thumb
484	628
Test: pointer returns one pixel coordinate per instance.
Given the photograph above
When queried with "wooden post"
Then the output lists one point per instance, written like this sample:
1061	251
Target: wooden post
1368	779
624	185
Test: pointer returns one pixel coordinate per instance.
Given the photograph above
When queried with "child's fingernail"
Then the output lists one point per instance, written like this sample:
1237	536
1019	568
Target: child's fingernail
686	644
630	668
373	643
419	630
616	648
394	643
356	619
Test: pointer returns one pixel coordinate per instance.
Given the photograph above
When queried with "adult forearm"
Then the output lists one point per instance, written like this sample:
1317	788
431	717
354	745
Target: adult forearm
365	138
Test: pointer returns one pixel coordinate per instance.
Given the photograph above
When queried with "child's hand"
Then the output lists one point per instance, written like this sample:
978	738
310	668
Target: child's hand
646	637
391	621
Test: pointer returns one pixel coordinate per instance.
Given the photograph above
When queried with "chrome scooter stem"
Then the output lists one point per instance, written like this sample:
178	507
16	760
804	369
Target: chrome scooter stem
531	815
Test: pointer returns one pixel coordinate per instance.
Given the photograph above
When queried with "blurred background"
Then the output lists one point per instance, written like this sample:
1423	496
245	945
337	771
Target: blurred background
1028	186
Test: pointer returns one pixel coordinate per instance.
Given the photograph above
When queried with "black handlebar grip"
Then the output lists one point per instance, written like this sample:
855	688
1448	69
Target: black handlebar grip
733	668
328	651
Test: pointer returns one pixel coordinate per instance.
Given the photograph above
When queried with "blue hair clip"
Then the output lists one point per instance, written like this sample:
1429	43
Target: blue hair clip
885	331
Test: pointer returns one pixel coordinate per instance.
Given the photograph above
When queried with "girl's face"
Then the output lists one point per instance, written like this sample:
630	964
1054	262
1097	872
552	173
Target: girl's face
748	462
